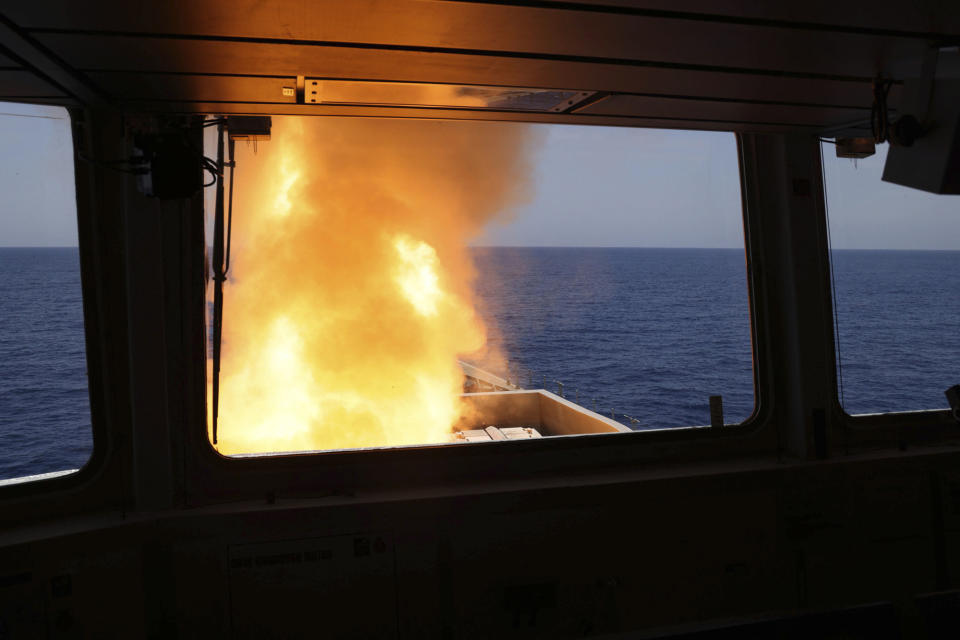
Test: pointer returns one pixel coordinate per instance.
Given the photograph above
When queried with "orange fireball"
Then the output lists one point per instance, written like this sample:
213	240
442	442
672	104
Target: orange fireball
350	293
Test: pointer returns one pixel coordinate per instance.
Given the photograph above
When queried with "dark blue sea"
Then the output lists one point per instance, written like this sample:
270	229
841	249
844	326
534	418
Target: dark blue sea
898	313
44	400
645	334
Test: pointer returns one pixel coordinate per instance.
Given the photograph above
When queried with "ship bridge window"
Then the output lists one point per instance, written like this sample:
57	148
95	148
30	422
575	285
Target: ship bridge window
895	263
45	427
402	282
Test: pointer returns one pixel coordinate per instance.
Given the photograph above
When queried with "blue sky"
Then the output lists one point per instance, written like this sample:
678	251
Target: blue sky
613	186
37	197
867	213
593	186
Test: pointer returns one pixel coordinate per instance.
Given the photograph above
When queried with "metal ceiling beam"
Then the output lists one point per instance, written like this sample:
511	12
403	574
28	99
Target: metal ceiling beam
47	65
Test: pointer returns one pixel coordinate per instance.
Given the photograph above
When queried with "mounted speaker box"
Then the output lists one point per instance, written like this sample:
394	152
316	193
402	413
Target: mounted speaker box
931	162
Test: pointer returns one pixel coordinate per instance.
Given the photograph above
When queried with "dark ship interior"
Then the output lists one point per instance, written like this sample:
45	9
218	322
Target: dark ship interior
802	522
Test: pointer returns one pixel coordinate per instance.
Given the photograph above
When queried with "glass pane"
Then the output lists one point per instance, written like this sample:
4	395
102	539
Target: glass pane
44	403
623	279
895	267
389	278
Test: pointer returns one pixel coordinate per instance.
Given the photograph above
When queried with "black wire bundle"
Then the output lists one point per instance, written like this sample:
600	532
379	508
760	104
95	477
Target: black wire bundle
150	146
136	166
879	116
210	166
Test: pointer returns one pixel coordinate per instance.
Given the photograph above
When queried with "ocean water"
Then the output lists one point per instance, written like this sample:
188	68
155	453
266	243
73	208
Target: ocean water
44	399
898	313
645	334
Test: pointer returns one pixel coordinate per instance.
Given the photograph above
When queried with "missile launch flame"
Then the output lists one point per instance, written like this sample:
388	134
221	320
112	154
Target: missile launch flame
350	294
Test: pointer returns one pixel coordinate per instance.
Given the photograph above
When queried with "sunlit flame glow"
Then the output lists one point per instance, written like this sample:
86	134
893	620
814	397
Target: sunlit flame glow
350	293
288	177
417	275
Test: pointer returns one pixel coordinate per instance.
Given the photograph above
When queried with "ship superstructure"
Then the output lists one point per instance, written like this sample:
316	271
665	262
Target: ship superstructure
801	522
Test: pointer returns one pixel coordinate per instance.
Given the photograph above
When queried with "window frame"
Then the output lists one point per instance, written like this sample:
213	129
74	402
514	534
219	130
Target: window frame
100	481
427	464
878	428
199	475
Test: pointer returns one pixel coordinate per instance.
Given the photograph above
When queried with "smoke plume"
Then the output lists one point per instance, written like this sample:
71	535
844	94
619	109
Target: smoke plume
350	296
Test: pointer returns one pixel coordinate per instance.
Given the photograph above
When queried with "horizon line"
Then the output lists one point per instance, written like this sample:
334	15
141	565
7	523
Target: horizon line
561	246
570	246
